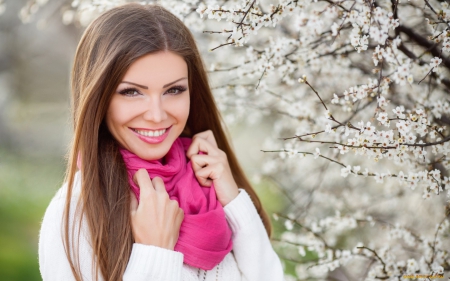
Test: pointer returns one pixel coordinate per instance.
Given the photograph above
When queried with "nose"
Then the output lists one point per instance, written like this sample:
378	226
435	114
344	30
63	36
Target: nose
154	111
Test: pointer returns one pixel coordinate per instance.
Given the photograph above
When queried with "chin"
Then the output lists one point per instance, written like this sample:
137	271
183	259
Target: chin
154	153
152	157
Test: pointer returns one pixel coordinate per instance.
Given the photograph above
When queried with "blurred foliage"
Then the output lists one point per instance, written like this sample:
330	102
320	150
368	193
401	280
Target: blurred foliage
26	187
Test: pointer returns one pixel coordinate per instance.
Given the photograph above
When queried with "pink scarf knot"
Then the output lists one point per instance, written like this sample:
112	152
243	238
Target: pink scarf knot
205	237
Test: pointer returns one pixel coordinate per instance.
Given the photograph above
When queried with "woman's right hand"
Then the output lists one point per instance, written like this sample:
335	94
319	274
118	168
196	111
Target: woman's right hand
156	219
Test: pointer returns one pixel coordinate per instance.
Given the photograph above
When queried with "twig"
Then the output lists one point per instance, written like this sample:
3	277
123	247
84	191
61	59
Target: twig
377	256
221	45
426	75
312	88
435	238
307	228
260	78
308	153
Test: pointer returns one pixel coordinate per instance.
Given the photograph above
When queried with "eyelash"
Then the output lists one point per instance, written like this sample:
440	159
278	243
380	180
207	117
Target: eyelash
130	92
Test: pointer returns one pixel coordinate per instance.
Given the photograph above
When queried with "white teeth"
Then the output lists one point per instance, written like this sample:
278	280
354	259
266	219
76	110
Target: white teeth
151	133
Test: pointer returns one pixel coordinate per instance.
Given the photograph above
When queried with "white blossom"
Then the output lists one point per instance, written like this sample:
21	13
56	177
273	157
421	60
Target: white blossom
435	62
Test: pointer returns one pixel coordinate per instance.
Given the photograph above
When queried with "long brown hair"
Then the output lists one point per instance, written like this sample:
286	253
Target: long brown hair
107	48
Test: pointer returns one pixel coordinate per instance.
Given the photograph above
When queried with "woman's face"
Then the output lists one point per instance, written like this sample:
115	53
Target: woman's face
150	107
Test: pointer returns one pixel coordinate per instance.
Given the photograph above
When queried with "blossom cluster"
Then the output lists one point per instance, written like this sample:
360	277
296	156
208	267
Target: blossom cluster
384	120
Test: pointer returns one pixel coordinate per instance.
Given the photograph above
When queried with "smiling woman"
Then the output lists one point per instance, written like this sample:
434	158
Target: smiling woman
153	190
154	109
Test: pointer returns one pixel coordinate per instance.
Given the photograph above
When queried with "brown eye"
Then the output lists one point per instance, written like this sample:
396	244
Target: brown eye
176	90
129	92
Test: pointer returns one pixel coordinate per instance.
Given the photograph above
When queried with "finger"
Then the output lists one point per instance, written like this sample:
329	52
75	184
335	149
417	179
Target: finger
199	144
206	175
158	183
180	217
199	161
203	177
207	135
133	202
142	179
175	205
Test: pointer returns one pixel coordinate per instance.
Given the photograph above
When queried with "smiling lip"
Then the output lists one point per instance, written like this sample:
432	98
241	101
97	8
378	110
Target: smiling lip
152	140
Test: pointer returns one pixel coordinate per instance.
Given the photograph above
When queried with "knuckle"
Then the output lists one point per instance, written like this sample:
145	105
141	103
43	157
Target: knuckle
211	134
197	173
163	194
174	203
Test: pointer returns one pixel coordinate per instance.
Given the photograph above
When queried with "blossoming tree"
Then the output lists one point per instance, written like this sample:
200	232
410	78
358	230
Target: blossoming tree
355	92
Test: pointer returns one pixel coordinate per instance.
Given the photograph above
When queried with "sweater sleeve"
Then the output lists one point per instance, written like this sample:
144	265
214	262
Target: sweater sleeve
145	263
254	254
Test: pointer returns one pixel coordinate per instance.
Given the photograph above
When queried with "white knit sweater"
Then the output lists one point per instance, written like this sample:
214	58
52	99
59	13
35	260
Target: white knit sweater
252	257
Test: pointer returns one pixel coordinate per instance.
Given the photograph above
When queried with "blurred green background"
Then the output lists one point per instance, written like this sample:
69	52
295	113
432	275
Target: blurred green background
35	131
26	186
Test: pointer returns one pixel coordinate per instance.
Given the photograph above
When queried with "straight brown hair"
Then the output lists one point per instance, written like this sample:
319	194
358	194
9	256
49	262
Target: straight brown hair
107	48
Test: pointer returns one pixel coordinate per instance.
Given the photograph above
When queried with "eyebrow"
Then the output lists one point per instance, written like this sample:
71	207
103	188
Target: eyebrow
131	83
167	85
145	87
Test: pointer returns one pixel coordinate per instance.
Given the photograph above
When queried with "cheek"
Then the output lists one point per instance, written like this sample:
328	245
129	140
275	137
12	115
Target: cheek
184	108
116	115
110	121
179	108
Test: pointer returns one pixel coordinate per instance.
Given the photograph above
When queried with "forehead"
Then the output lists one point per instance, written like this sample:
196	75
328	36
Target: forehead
157	69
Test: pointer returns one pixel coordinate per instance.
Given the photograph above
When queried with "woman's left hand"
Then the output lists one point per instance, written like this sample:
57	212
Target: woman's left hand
212	167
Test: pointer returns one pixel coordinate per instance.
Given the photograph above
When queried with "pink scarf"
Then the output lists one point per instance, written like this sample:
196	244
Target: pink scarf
205	237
